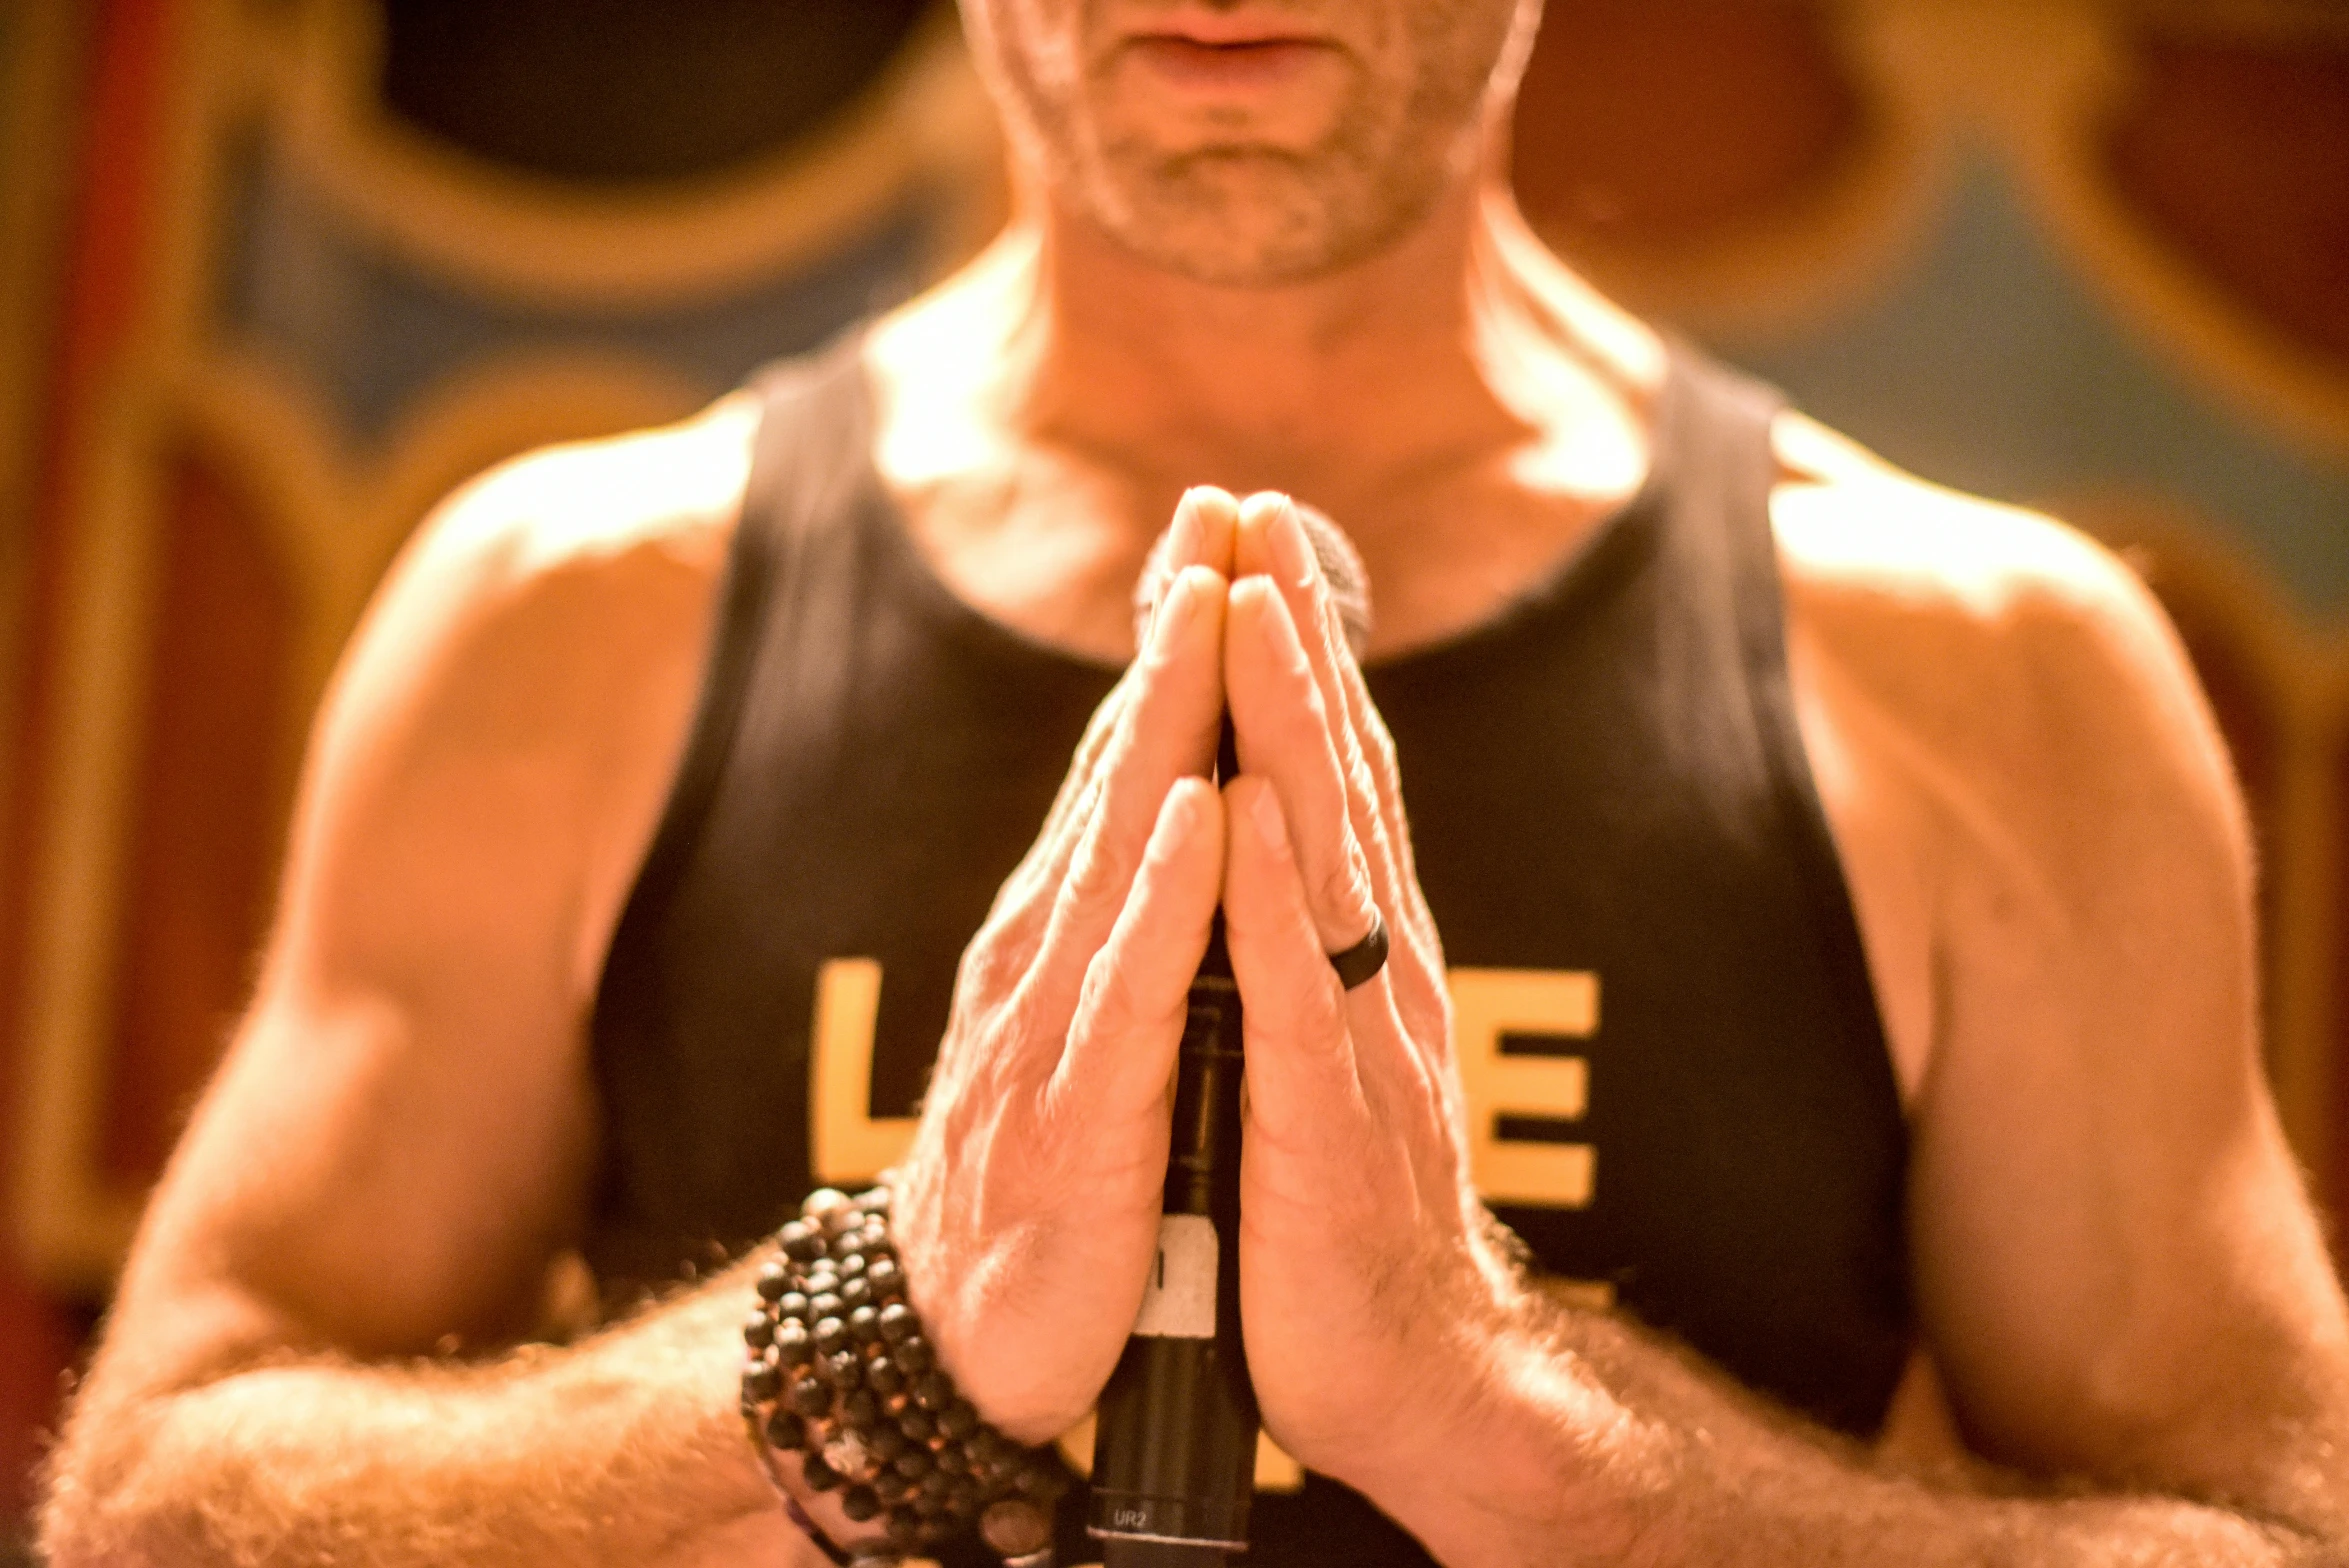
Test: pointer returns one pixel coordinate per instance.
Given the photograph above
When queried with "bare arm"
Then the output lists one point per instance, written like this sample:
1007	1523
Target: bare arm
395	1148
2116	1271
623	1449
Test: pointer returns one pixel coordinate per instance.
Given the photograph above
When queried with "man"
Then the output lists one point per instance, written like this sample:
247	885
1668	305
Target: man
591	848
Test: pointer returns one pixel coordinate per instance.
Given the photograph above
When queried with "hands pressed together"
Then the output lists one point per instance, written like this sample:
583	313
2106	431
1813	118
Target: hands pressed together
1028	1207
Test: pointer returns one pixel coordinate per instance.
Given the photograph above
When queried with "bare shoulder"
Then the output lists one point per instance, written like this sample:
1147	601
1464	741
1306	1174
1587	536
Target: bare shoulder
2010	644
2011	746
589	513
483	778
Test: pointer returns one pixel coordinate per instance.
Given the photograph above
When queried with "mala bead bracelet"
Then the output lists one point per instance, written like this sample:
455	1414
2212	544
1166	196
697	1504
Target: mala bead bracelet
840	1373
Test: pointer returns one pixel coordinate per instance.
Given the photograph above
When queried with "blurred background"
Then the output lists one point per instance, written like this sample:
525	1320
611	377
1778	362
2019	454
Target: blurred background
274	274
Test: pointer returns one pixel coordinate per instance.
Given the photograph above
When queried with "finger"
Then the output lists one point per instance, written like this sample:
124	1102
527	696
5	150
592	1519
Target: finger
1129	1020
1300	1069
1284	735
1205	521
1293	566
1324	1063
1200	535
1169	730
1274	542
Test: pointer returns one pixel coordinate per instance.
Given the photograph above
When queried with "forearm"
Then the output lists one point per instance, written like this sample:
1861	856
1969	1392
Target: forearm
623	1449
1586	1442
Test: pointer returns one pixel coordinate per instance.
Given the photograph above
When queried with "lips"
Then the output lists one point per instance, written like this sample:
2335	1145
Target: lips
1227	63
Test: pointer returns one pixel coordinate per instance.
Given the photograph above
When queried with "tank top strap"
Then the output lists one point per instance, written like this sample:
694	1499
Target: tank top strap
1728	458
810	461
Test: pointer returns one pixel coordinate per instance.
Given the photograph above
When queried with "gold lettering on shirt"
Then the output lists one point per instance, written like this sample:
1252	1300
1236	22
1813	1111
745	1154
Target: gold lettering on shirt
1486	1005
847	1143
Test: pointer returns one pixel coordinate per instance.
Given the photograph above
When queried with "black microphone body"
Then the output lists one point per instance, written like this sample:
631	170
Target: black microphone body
1174	1445
1174	1448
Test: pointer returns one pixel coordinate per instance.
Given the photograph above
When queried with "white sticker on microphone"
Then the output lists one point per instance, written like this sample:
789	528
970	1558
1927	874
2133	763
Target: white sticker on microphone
1180	1300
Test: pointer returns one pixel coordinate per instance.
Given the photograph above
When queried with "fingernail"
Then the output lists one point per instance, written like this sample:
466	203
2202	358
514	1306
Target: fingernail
1290	553
1267	812
1182	545
1174	609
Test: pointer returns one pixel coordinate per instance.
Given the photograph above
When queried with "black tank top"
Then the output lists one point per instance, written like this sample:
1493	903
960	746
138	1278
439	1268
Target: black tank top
1677	1077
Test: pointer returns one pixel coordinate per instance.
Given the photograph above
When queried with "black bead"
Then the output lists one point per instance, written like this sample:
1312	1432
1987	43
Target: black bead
913	1353
884	1276
954	1460
860	1409
938	1484
966	1496
794	1347
859	1503
842	1367
864	1325
986	1443
934	1391
905	1527
884	1442
959	1419
882	1376
856	1293
761	1381
786	1431
802	1242
819	1474
816	1282
826	1305
914	1463
1039	1477
851	1263
830	1334
916	1425
898	1323
758	1331
810	1397
792	1305
772	1282
929	1505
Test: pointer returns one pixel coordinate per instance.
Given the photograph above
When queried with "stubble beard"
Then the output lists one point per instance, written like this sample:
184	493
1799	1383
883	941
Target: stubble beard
1251	216
1256	217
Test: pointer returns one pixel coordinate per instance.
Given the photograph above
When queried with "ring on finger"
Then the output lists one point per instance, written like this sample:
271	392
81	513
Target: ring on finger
1357	964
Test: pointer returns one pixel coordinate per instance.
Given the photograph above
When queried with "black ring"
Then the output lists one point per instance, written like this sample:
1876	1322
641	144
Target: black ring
1365	958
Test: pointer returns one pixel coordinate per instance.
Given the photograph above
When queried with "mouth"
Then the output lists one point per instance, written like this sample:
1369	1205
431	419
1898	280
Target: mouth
1216	54
1242	65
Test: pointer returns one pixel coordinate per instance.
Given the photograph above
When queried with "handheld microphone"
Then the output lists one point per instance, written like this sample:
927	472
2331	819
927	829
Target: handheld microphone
1174	1446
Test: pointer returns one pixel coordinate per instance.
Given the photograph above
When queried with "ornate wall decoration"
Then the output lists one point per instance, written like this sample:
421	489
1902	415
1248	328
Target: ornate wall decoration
320	315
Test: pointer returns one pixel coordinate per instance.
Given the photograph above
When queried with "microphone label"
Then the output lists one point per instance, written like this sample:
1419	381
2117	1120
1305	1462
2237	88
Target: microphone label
1180	1300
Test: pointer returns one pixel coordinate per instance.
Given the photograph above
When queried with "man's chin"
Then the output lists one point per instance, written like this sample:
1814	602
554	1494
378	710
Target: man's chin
1250	220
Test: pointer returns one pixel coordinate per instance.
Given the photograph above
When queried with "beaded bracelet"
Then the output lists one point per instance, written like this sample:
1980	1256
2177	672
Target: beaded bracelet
840	1373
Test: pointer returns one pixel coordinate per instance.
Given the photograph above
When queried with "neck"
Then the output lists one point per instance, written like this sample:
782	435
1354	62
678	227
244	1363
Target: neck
1128	357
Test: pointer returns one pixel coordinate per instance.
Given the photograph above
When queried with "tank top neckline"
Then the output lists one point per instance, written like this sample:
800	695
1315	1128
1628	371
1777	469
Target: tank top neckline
1556	583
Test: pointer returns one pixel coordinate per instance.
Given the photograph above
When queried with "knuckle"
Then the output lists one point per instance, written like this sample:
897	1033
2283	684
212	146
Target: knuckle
1339	887
1093	870
1109	1003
